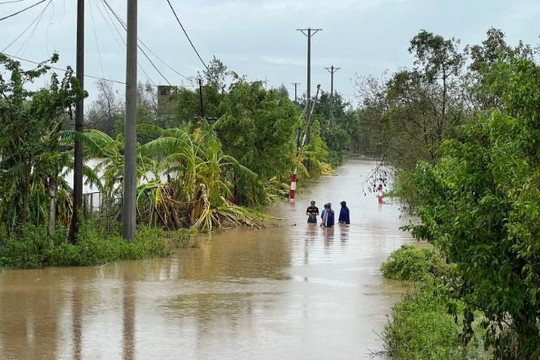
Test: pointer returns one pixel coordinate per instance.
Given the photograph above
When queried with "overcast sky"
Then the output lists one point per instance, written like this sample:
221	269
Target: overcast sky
258	38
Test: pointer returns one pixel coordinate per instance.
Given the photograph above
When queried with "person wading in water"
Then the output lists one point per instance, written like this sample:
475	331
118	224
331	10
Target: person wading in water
312	212
327	216
344	214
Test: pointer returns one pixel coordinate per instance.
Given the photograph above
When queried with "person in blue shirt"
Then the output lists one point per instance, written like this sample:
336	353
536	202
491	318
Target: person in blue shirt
344	214
327	216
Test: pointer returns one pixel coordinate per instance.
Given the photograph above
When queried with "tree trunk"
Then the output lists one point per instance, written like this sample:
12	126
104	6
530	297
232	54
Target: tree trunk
52	209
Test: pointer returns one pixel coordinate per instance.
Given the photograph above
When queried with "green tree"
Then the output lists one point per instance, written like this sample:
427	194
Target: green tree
482	83
219	76
417	108
258	129
30	141
372	138
339	125
481	205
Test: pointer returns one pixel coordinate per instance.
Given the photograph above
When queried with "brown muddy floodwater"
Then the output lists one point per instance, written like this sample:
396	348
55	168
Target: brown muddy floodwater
290	291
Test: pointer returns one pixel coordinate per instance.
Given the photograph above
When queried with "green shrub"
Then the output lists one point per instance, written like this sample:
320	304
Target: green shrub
412	264
27	250
33	248
422	327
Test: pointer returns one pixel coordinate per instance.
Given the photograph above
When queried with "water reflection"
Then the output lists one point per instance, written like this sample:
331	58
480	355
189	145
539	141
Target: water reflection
76	323
311	233
128	307
343	233
328	234
292	291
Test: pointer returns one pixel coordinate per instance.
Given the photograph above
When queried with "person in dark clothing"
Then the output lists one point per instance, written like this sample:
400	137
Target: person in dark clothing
327	216
312	212
344	214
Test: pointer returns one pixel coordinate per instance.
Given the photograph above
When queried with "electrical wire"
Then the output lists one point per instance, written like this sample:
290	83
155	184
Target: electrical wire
112	25
187	36
10	2
109	11
48	27
138	46
108	17
37	19
23	10
96	38
194	48
164	63
25	43
60	69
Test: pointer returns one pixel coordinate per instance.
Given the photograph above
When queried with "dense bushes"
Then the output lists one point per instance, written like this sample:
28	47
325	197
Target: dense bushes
412	264
422	327
463	130
424	324
33	248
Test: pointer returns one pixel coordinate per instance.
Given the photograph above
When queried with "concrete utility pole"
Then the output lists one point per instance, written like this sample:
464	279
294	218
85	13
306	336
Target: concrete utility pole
295	91
79	127
332	70
201	98
129	213
309	32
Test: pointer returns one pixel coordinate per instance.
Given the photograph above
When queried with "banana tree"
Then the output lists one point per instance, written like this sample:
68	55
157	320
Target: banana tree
197	185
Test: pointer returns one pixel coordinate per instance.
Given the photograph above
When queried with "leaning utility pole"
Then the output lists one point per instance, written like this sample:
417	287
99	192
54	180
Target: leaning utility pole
309	32
79	128
129	213
295	84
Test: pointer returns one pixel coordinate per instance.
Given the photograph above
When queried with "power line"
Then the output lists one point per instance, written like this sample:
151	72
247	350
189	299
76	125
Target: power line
24	45
96	38
37	19
164	63
187	36
109	17
60	69
112	26
138	46
194	48
151	52
85	75
23	10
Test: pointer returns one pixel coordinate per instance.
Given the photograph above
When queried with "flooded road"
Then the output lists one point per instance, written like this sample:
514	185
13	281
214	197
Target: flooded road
290	291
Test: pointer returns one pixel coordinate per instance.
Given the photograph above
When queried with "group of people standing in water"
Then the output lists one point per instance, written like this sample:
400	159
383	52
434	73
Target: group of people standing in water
327	215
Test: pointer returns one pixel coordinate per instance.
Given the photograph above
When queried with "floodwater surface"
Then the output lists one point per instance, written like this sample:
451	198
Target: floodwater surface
289	291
